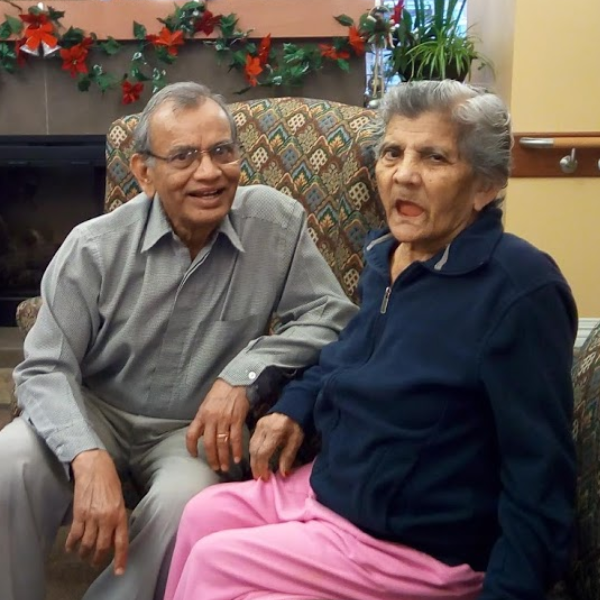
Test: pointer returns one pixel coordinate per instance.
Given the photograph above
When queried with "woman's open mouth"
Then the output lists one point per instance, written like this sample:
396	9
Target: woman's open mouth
408	209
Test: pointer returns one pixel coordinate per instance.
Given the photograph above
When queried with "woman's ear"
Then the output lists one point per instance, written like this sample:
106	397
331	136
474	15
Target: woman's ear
143	173
485	193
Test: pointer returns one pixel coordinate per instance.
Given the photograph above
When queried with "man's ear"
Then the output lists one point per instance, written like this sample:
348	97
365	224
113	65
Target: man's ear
143	173
485	192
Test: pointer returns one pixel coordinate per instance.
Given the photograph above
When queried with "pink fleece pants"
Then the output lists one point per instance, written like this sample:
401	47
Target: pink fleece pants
272	540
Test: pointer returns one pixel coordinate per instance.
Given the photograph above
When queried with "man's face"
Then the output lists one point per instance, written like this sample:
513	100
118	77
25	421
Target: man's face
195	197
429	192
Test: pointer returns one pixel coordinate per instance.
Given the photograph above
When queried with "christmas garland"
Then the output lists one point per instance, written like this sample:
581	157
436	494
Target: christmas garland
39	33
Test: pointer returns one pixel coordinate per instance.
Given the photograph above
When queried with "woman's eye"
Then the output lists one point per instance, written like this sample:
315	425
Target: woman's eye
180	157
437	157
391	153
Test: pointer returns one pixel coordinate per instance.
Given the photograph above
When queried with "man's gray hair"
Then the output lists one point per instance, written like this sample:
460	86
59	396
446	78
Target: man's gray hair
182	95
482	120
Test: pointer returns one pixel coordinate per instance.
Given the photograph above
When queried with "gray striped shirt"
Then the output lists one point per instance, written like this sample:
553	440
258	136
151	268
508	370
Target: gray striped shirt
129	316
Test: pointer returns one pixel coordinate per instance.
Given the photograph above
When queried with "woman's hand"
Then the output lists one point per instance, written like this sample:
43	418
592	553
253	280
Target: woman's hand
272	432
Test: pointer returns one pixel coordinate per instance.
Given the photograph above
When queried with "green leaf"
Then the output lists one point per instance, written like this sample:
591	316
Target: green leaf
84	82
110	46
343	64
344	20
5	31
139	31
8	58
238	58
137	74
163	55
228	25
55	15
72	37
159	79
192	5
15	25
106	81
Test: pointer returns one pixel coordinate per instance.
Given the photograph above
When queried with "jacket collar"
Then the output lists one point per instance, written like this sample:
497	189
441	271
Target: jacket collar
470	249
158	226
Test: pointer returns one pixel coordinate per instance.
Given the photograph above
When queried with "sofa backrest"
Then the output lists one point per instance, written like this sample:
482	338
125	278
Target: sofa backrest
320	153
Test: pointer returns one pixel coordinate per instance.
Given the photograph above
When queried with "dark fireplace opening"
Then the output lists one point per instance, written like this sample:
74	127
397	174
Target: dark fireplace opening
48	184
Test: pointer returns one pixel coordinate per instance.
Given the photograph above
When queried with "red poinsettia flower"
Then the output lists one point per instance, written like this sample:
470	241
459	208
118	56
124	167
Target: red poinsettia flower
131	91
35	35
264	49
34	20
87	42
21	56
170	40
252	69
74	59
207	22
356	40
398	10
328	51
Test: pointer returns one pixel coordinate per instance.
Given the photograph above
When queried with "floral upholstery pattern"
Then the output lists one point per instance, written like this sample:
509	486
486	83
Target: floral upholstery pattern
585	575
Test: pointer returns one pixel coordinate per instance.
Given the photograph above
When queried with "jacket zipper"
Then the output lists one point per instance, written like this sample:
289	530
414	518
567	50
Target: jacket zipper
386	299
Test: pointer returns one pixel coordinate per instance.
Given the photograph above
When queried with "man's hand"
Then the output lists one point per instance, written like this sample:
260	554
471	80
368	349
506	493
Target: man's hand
220	420
99	515
274	431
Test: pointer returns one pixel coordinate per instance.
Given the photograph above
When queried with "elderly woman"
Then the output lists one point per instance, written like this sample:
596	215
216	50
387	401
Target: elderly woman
447	468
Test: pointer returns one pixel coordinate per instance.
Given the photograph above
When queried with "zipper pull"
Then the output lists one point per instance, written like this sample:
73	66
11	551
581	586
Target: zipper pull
386	299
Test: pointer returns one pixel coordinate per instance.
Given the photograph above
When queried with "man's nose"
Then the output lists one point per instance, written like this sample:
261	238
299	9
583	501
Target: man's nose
205	167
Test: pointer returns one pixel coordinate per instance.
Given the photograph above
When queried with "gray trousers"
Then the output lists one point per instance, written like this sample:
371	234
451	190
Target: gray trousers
36	498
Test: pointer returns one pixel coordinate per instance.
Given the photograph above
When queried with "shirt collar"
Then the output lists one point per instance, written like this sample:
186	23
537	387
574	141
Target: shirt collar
470	249
158	226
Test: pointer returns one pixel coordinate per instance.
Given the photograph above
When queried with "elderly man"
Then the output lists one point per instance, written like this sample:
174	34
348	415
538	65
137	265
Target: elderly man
151	335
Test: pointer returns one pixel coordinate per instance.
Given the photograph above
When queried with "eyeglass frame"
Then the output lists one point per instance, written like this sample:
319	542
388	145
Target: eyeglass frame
197	153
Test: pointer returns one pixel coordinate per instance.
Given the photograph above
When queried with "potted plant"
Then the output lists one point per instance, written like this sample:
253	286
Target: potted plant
429	43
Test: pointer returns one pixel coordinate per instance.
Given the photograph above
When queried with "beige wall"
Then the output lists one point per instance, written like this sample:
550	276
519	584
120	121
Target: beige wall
548	69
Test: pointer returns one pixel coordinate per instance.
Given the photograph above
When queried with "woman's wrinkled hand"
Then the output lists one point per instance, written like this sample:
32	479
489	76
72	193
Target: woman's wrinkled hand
272	432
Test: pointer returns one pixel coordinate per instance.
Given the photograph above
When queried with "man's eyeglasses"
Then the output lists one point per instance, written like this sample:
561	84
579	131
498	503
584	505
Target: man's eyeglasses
223	154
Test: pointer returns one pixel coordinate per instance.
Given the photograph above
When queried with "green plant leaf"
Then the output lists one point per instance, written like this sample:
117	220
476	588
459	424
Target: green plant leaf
84	82
5	31
192	5
139	31
8	57
72	37
343	64
344	20
55	15
228	25
11	26
110	46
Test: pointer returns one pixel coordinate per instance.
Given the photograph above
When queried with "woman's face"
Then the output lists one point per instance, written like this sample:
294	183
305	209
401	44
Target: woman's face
429	192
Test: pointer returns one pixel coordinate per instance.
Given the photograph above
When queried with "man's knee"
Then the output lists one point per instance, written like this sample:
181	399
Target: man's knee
25	458
165	500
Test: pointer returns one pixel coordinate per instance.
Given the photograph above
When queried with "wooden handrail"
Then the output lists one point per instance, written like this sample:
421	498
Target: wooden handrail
572	154
593	141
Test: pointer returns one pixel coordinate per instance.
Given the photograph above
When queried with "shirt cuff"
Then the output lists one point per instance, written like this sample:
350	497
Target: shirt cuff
73	440
242	371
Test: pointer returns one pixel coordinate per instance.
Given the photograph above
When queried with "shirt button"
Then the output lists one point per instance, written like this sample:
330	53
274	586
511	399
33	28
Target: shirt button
252	376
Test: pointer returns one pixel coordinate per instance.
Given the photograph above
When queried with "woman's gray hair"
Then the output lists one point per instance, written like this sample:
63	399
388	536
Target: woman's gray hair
482	120
182	95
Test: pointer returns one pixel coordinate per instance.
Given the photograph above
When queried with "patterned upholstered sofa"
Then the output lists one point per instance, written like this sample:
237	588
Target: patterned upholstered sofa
322	153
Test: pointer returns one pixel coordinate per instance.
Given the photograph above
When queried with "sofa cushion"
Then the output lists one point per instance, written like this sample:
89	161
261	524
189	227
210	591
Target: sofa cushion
585	576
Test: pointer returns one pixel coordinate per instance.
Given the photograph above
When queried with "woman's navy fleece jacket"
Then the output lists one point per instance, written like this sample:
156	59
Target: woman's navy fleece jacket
445	409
